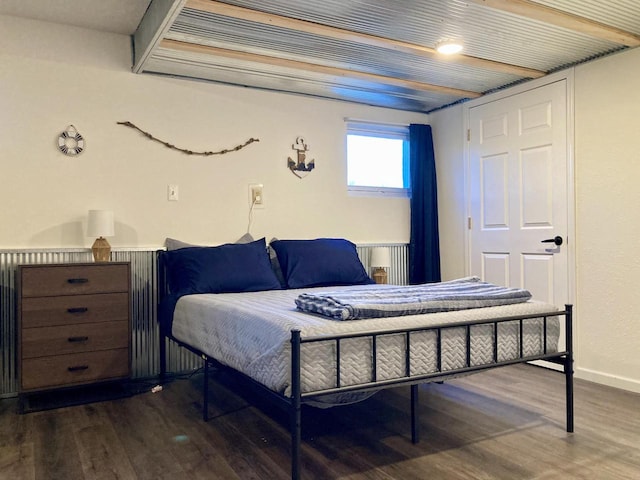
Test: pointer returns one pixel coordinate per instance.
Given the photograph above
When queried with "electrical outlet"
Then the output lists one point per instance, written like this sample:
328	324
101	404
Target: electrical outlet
256	198
172	193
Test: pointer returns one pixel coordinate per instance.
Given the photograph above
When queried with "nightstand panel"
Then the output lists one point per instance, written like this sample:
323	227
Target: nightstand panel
74	309
74	369
60	340
70	279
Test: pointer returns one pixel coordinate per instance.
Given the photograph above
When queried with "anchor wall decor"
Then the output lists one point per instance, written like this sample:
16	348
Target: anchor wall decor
299	165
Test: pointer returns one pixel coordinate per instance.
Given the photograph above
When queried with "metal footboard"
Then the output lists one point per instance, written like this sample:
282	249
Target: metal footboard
564	358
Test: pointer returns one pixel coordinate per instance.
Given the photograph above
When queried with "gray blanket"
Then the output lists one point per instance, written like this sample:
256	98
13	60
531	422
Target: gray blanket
368	302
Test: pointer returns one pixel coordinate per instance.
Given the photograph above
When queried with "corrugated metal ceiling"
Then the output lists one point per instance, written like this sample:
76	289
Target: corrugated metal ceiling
379	52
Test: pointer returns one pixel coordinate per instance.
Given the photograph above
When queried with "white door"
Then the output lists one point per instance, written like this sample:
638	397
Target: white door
518	176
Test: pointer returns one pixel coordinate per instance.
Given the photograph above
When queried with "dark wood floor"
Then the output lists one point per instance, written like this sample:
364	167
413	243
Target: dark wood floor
503	424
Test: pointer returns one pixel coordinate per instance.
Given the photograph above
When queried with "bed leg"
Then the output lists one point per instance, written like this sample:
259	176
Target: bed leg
296	415
296	442
568	366
205	390
415	428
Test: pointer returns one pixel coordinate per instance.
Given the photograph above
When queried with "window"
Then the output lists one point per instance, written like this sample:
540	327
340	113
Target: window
377	159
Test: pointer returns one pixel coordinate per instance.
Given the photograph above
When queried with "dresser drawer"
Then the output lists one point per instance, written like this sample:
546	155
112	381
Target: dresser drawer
74	369
54	280
73	310
46	341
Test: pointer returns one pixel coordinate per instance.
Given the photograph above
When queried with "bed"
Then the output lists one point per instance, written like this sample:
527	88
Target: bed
307	326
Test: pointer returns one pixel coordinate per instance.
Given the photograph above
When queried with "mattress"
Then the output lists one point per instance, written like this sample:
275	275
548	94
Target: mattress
250	332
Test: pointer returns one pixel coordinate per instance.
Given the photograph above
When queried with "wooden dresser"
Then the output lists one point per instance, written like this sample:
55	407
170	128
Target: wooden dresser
74	324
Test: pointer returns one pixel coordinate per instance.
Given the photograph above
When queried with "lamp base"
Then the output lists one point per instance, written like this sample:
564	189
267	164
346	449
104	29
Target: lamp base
101	250
380	275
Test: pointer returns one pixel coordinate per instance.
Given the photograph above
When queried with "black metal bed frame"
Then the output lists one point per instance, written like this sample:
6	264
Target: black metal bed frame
293	404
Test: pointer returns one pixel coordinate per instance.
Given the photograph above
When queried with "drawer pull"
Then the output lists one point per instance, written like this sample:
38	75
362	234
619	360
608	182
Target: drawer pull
77	280
78	368
77	310
77	339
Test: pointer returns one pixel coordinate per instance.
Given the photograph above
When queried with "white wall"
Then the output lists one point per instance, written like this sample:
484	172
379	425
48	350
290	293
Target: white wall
607	129
447	126
52	76
607	169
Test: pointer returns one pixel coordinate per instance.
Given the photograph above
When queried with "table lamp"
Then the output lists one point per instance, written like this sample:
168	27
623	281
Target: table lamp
100	225
380	259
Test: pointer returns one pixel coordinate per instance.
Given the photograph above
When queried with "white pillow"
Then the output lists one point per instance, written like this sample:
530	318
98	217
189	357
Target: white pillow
173	244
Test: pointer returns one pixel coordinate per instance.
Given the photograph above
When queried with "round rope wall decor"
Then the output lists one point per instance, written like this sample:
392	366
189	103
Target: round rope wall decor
70	142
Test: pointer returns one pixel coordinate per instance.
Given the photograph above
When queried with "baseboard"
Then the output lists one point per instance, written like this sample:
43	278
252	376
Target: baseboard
623	383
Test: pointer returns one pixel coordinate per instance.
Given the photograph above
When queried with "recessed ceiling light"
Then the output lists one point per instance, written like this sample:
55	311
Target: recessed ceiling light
449	46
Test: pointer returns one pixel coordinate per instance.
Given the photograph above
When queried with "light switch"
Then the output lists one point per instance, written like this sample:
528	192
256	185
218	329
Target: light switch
172	193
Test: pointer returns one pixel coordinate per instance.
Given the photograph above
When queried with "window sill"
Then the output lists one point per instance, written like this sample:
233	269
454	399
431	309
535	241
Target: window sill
383	192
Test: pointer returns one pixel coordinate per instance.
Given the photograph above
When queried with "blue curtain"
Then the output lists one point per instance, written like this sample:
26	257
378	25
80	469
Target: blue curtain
424	244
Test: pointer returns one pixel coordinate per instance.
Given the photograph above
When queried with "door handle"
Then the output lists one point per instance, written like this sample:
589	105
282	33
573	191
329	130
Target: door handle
557	240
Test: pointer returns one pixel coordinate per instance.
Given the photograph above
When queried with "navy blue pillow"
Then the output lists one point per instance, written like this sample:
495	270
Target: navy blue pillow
228	268
319	263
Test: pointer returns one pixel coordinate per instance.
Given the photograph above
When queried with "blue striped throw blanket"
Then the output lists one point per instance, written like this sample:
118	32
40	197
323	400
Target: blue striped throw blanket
363	302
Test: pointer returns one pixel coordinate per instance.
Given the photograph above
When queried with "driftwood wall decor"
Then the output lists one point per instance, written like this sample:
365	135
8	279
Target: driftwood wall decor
187	151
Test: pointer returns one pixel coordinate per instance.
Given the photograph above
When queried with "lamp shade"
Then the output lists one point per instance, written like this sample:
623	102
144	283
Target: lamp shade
100	223
380	257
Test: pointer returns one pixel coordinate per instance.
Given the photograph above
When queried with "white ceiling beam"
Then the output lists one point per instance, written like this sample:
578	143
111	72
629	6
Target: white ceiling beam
156	22
218	8
315	68
559	18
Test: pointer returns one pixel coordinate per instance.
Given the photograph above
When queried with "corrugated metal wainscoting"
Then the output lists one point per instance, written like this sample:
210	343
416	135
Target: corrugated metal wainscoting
145	343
